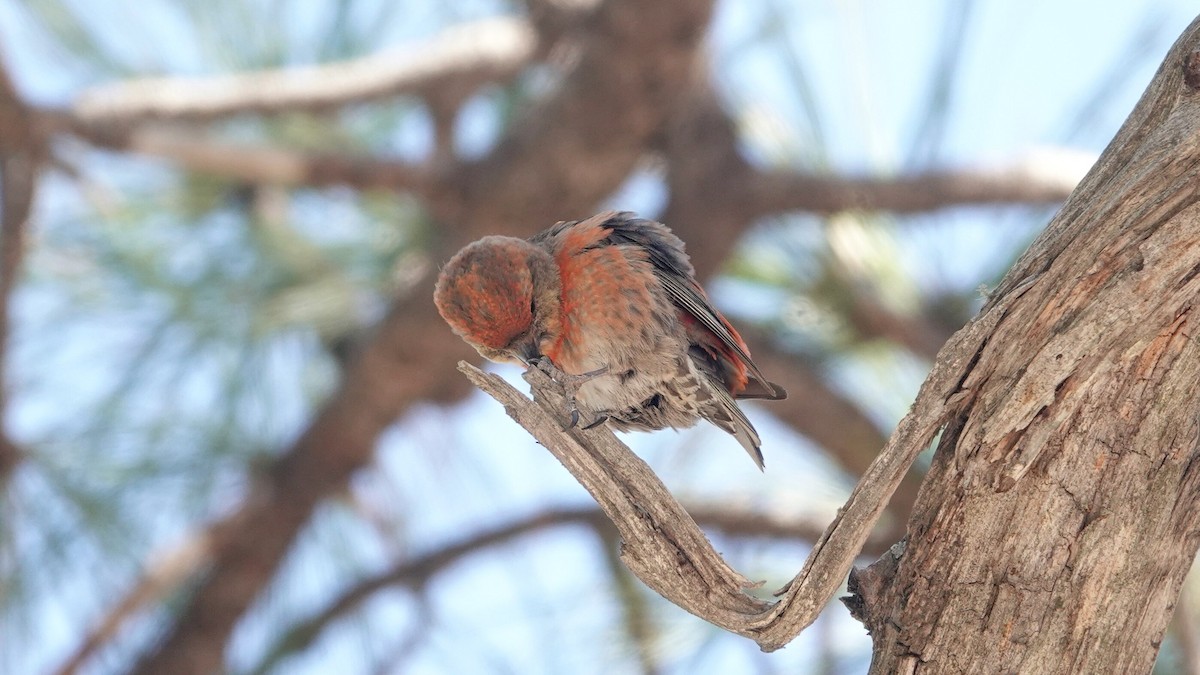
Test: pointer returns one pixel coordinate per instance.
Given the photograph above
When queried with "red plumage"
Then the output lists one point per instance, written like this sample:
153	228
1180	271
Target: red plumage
614	294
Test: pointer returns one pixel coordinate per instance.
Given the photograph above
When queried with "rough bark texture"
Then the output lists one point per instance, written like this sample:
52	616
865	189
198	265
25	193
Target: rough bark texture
628	84
662	545
1061	515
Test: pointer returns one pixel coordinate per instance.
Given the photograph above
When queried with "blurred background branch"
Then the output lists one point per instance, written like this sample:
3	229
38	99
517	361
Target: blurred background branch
21	154
220	226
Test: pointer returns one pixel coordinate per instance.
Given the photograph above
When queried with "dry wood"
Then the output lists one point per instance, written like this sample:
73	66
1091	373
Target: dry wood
665	548
620	89
661	543
1061	515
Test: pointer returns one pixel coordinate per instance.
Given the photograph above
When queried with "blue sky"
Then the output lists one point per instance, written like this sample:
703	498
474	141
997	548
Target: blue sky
1028	77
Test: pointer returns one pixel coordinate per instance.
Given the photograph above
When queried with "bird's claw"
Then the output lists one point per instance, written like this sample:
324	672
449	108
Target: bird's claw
597	422
570	384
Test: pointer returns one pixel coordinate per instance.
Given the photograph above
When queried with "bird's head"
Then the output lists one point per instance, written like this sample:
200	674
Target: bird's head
501	295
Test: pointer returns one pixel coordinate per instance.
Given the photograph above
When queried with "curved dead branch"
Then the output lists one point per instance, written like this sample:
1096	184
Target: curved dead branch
663	546
1144	192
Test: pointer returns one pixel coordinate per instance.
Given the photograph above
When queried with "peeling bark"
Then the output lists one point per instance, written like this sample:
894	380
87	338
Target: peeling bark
1060	515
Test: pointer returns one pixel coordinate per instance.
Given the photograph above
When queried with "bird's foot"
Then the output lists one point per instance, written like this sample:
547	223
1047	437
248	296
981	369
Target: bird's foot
571	384
601	419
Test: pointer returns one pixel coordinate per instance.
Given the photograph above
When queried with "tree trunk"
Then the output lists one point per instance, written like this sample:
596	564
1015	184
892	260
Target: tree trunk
1061	515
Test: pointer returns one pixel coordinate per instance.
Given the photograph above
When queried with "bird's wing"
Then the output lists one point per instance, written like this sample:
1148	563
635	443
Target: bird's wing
726	415
665	252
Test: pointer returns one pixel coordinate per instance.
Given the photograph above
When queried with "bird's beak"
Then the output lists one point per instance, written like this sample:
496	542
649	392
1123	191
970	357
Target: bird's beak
528	353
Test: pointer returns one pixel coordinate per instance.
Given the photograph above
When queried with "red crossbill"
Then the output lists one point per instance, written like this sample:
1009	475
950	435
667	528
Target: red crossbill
611	302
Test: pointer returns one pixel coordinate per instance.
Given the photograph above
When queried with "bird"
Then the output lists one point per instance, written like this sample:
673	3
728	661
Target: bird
611	308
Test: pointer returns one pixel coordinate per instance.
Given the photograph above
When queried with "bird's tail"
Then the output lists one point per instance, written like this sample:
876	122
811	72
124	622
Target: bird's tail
725	414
